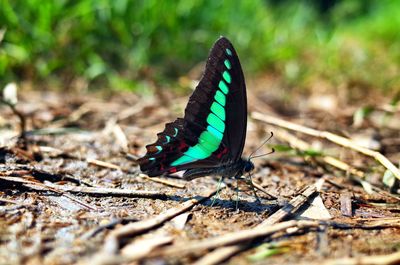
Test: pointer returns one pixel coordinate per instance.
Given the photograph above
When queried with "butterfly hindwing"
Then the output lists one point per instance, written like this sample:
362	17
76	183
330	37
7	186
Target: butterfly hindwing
213	130
169	146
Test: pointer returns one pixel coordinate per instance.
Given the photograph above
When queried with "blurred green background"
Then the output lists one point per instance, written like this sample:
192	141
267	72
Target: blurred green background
121	44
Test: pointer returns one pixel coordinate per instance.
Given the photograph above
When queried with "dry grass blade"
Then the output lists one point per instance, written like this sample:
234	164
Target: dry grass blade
345	142
343	166
111	244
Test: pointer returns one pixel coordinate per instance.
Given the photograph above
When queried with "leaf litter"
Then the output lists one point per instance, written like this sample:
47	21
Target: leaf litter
70	193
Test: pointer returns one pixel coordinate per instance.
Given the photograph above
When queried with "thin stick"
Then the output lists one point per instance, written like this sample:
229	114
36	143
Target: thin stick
111	244
164	181
345	142
88	190
113	166
221	254
363	223
388	259
111	191
71	197
145	246
261	188
47	187
103	164
9	201
23	170
109	225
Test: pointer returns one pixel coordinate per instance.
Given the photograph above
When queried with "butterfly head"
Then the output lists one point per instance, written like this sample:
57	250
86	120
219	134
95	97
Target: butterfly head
248	166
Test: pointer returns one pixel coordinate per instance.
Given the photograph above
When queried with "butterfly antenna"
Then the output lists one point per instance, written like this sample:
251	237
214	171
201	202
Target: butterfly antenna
272	151
258	148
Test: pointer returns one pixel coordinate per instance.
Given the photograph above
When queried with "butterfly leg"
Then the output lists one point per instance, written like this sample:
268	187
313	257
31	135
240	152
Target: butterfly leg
217	193
249	182
237	196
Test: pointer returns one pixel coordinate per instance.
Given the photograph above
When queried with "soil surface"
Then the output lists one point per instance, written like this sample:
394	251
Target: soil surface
92	141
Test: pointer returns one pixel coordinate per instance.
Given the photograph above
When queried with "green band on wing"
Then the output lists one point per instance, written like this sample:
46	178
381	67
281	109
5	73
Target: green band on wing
209	141
215	133
167	138
218	110
227	77
198	152
176	132
216	122
229	52
227	64
224	88
183	160
220	98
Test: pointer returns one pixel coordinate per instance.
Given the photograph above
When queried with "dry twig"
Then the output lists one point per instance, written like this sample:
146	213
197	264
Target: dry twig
102	164
47	187
389	259
86	190
111	191
164	181
363	223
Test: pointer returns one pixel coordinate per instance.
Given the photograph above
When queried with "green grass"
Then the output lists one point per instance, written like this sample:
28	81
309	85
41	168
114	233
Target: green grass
127	44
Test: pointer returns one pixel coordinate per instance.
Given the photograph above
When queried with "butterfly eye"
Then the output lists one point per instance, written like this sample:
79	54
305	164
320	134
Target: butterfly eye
249	166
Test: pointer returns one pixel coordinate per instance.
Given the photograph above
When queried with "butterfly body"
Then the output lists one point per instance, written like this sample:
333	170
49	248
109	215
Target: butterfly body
209	140
235	169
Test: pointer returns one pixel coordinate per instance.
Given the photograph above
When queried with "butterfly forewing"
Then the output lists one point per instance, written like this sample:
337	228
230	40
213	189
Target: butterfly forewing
213	130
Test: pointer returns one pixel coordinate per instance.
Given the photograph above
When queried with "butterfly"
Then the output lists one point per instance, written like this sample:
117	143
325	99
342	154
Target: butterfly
209	139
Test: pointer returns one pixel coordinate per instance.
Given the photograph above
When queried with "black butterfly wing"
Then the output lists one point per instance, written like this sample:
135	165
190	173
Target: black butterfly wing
213	131
223	76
